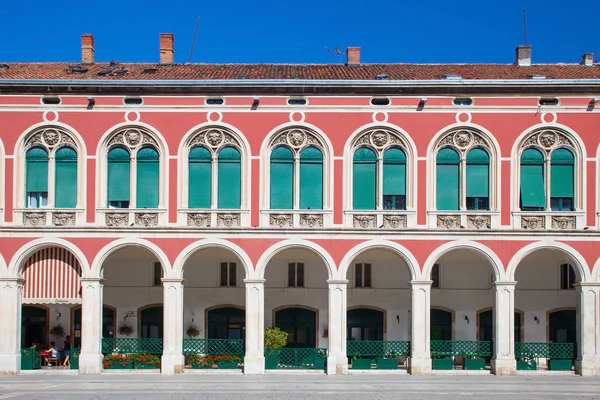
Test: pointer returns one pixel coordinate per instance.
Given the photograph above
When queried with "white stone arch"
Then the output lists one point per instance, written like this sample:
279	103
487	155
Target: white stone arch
110	248
28	249
69	137
185	254
577	146
489	255
263	261
242	145
406	143
490	144
579	264
104	145
596	271
328	162
380	244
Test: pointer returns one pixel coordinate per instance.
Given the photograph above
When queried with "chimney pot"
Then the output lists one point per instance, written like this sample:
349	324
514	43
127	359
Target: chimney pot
523	58
587	59
353	54
87	49
167	48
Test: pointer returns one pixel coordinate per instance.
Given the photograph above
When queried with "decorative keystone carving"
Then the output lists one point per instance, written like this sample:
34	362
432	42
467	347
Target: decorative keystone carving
394	221
548	139
198	219
228	220
281	220
34	218
132	137
479	222
296	138
448	221
380	139
146	219
116	219
533	222
365	221
63	219
563	223
311	220
50	137
463	140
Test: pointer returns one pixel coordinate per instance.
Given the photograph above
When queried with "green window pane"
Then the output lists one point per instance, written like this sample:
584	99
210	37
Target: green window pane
147	178
447	180
230	178
394	172
311	179
118	174
65	178
561	173
364	178
532	179
478	173
36	170
282	179
200	178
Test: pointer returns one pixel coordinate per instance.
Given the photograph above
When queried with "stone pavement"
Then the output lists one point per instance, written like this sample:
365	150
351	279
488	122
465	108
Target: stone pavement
291	387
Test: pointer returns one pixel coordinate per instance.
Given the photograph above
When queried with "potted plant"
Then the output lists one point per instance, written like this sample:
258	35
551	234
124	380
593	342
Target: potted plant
388	361
275	339
198	361
118	361
325	333
57	331
146	361
192	331
361	363
228	361
473	363
441	363
124	329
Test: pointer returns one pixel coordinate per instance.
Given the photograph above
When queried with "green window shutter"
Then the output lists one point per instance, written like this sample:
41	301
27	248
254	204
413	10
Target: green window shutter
118	174
282	179
311	179
147	178
447	180
562	163
200	178
65	186
230	179
478	173
394	172
533	193
364	178
36	170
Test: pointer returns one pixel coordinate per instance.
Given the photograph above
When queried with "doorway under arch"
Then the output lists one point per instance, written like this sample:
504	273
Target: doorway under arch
485	325
300	324
562	326
365	324
226	323
109	322
34	326
151	322
441	324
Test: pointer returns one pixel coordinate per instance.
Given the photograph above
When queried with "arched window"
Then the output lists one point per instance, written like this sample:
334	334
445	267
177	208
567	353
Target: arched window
533	193
282	178
148	178
394	179
311	179
199	177
562	163
65	180
447	180
36	181
119	178
229	178
364	176
478	180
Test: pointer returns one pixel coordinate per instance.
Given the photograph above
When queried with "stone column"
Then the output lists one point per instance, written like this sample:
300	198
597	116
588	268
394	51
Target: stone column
11	292
588	329
337	362
503	362
420	358
254	361
172	359
90	359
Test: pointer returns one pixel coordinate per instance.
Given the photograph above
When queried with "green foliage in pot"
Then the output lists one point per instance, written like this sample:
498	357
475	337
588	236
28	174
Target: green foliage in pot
275	338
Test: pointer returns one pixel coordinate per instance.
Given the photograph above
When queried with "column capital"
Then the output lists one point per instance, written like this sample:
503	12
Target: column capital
587	284
421	283
254	281
504	283
172	280
18	281
99	280
337	281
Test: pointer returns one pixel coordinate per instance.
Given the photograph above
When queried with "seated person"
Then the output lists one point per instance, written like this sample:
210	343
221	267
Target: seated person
52	352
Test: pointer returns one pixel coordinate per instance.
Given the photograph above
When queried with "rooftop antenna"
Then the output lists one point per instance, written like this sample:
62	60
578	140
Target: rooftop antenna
194	41
525	25
337	52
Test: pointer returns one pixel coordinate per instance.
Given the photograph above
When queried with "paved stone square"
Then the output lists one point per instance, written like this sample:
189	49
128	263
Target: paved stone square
124	387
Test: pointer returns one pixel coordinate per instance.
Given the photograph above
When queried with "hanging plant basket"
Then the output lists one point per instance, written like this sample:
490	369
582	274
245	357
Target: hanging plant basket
57	331
192	331
125	329
325	333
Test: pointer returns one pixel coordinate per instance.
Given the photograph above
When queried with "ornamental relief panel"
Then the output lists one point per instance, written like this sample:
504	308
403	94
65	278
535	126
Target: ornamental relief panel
311	220
228	220
463	140
448	221
146	219
533	222
132	137
479	222
198	219
50	138
63	219
548	139
116	219
380	139
297	139
364	221
214	138
394	221
563	223
34	218
281	220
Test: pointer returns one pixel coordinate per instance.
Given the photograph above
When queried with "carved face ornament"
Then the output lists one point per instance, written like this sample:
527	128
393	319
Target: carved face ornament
133	137
379	138
462	139
296	138
214	138
547	139
51	137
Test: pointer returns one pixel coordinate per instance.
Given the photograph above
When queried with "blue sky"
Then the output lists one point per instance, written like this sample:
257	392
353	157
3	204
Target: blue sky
284	31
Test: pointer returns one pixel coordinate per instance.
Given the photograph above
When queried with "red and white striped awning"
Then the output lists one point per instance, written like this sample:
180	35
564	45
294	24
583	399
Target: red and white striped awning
52	276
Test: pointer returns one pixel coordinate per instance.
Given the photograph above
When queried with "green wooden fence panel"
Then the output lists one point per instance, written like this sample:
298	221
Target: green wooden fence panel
463	348
74	358
31	358
555	351
299	358
377	348
132	346
213	346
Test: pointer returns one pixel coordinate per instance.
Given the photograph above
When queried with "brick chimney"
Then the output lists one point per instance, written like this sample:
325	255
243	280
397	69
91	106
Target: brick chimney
87	49
167	48
523	58
587	59
353	54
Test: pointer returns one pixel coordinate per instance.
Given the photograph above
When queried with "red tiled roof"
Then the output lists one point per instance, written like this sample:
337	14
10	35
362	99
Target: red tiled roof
296	71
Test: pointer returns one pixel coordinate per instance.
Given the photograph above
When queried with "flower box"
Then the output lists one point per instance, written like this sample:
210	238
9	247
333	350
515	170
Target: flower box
560	365
362	363
526	365
120	366
387	363
138	365
320	363
442	364
271	362
118	361
228	364
473	364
